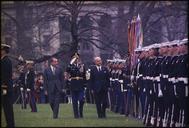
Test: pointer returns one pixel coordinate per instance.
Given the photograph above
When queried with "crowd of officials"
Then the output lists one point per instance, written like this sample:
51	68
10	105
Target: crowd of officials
154	90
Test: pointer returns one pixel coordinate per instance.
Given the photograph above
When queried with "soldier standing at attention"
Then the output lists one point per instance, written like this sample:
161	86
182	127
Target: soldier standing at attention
30	81
76	71
7	85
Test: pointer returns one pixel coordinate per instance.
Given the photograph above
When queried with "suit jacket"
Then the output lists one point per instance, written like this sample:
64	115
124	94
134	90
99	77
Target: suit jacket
6	73
99	80
53	80
30	80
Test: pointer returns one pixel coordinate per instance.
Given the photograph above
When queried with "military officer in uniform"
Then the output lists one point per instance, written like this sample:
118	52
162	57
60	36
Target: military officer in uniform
7	85
30	81
77	74
22	84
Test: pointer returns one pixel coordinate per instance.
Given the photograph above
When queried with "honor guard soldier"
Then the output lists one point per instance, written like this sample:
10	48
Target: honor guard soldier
162	86
121	78
110	92
30	81
77	71
139	81
182	84
7	85
22	84
117	87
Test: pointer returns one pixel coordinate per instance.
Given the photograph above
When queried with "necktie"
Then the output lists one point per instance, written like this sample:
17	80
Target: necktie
99	69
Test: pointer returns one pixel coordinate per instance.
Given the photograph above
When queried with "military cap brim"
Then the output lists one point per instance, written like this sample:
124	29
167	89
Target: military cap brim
5	46
75	55
29	62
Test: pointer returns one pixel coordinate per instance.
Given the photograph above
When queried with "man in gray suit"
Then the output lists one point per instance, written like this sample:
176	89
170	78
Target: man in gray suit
53	85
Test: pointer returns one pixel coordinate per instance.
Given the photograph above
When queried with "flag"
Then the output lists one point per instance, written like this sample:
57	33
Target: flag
139	32
135	37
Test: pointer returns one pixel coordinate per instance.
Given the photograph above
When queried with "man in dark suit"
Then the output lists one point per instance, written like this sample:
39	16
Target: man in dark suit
53	84
100	82
7	85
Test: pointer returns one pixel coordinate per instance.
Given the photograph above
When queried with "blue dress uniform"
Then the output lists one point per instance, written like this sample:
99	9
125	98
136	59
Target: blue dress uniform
77	75
30	81
158	94
172	91
7	87
113	86
182	90
111	89
127	90
23	91
145	83
150	91
121	78
117	91
141	85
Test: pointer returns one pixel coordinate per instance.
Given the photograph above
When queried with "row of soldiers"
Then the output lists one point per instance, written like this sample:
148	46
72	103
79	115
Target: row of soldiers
156	88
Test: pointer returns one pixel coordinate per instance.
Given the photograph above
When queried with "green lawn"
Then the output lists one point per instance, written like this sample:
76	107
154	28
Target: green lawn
43	118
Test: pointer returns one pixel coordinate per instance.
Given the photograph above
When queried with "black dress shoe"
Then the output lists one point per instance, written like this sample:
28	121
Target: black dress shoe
55	117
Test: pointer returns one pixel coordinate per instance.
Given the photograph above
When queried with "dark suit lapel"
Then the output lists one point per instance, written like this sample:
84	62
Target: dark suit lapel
50	71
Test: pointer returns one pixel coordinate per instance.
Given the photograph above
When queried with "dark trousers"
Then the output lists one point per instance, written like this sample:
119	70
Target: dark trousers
142	101
129	102
23	99
8	109
32	101
54	100
77	103
101	103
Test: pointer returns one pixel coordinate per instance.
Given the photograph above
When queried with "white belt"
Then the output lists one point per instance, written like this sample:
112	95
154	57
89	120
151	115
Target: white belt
157	78
165	76
116	79
172	79
28	89
184	79
140	75
125	90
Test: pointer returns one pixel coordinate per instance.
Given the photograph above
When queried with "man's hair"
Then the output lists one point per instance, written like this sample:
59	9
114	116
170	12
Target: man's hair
52	59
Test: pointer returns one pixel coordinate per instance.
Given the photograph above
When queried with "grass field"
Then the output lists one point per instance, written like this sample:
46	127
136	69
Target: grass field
43	118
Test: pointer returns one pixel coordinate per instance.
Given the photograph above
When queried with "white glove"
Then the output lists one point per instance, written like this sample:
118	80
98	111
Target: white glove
21	89
4	91
28	89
